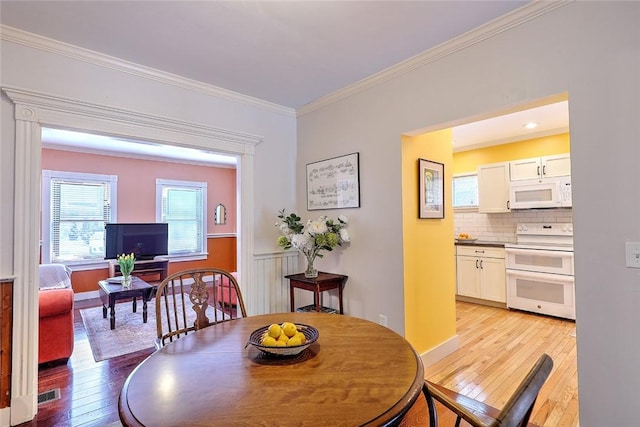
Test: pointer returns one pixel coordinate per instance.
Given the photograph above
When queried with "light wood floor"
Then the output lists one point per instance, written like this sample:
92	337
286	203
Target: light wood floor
497	349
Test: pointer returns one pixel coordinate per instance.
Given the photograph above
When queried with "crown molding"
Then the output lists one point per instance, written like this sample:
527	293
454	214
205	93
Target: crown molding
47	109
45	44
497	26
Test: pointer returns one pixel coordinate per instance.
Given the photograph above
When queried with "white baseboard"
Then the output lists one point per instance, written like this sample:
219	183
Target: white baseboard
5	414
439	352
85	295
23	409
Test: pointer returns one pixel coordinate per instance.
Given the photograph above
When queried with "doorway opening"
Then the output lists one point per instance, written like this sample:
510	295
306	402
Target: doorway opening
500	227
136	166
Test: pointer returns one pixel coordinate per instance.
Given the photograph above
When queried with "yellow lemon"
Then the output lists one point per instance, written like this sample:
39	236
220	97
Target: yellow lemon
293	341
269	341
289	329
281	343
301	337
274	330
283	338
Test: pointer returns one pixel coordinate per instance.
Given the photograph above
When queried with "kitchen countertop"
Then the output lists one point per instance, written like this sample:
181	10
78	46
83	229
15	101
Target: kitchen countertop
492	244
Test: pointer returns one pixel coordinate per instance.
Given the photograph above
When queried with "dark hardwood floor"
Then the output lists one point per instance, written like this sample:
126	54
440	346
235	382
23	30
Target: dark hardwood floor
88	390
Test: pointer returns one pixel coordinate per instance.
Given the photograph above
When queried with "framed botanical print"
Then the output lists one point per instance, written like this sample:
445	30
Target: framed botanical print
431	189
334	183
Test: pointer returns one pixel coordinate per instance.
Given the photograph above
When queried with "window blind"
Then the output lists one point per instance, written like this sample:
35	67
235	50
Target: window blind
183	208
79	210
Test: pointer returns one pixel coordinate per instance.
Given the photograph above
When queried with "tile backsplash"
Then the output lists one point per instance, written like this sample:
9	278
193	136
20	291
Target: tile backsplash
501	227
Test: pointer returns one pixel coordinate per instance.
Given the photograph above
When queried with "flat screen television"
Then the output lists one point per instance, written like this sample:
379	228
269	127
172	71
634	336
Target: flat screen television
145	240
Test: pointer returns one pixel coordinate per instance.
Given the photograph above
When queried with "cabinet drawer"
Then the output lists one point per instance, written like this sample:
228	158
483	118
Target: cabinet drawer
480	251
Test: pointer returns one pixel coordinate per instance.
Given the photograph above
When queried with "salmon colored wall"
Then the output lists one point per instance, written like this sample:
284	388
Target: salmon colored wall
468	161
222	254
137	183
428	250
136	201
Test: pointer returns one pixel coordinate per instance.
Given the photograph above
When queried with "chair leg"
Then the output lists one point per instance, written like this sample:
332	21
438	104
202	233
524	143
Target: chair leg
433	416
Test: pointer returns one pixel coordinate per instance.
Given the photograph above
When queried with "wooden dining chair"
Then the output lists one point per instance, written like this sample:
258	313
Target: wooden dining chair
194	299
515	413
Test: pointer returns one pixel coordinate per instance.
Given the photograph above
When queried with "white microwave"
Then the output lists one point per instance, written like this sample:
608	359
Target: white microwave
545	193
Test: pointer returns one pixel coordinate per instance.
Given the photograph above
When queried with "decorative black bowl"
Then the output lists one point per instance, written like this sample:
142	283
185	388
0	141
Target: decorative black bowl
311	333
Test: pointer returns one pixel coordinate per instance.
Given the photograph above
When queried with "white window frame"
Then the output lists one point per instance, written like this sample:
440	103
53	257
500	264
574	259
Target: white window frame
47	177
202	186
453	194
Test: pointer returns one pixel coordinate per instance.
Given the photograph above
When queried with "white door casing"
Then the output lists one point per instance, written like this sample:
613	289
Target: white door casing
34	110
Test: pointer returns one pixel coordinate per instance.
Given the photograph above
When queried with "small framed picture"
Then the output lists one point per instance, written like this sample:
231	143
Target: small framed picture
431	189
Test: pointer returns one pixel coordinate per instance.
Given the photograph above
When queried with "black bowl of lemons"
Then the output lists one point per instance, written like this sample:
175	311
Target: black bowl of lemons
285	339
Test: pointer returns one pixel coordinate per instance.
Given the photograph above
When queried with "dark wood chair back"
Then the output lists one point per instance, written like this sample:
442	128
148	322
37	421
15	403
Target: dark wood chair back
515	413
517	410
194	299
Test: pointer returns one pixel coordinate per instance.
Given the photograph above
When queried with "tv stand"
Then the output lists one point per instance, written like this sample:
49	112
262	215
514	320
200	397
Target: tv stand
159	268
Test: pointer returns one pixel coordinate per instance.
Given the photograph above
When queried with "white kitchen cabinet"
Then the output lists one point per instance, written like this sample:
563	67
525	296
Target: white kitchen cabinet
480	273
540	167
493	188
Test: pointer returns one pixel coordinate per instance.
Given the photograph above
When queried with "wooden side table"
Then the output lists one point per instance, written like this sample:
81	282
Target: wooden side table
111	292
317	285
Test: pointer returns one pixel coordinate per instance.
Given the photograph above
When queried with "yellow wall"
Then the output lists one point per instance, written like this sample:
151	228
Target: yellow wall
468	161
428	250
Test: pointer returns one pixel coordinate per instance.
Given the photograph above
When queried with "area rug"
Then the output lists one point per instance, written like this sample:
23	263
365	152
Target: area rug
130	334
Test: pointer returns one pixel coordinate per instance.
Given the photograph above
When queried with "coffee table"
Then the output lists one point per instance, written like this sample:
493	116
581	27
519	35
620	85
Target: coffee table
110	292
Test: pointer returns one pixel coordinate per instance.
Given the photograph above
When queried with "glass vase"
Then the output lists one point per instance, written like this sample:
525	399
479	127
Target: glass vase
310	272
126	280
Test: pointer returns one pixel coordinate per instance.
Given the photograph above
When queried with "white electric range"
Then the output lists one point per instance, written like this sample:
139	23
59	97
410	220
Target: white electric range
539	269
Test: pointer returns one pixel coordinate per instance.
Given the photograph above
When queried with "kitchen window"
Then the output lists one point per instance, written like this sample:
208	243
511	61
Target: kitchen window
183	204
75	209
465	191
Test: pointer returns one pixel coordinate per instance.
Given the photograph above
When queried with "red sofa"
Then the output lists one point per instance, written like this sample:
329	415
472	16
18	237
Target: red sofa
226	293
55	305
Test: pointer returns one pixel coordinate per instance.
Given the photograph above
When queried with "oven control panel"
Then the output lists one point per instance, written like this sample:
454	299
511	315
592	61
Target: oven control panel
558	234
545	229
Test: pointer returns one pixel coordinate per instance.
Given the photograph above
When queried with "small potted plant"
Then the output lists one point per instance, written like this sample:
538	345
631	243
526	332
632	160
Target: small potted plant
126	263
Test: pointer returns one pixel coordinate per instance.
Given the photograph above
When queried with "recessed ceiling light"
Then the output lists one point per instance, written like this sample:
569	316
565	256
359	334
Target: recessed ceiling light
530	125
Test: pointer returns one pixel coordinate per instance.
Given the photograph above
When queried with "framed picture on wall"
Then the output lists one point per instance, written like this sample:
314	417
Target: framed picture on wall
430	189
334	183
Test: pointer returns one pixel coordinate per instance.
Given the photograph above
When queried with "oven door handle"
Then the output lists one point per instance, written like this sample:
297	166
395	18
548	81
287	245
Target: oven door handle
558	254
541	276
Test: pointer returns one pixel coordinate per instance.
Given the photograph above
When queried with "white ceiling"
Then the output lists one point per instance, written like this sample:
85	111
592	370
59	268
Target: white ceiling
61	139
550	119
290	53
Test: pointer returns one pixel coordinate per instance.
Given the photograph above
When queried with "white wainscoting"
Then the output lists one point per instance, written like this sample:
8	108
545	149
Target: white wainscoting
271	291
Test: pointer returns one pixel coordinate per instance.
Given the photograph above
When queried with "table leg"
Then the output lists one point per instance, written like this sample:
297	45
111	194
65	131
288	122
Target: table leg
135	306
293	304
340	298
112	317
104	311
317	300
144	306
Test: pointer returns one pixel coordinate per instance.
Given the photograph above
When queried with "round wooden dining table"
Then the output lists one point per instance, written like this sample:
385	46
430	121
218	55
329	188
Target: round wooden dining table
356	373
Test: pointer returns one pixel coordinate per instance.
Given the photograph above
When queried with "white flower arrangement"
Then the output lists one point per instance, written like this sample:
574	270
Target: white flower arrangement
315	236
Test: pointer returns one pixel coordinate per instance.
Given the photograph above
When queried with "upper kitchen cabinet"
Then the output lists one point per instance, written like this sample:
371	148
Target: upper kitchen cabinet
540	167
493	188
